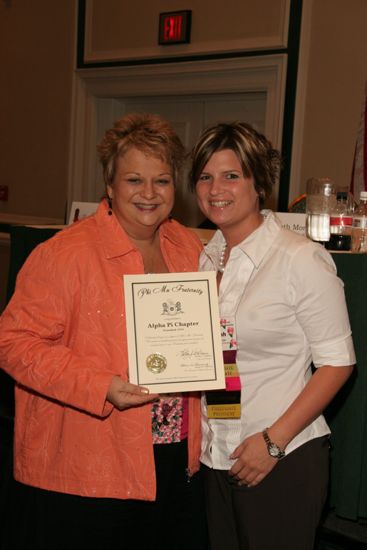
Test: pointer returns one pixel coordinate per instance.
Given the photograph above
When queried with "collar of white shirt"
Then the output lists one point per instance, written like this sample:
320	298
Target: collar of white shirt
253	246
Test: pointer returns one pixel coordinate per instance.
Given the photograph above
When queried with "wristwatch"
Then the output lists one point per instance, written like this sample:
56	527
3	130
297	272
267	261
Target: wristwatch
273	449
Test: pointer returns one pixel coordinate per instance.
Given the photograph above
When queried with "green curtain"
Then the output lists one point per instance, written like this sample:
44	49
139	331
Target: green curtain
347	415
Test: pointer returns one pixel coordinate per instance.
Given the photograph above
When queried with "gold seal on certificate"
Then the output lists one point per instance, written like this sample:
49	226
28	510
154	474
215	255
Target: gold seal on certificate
156	363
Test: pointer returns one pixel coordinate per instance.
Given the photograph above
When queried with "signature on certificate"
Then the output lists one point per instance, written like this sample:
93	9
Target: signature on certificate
193	353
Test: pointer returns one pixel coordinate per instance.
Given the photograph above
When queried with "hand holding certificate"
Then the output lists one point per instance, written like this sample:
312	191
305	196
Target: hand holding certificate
173	332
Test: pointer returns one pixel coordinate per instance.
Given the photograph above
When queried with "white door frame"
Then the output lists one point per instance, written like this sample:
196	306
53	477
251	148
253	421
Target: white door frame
96	89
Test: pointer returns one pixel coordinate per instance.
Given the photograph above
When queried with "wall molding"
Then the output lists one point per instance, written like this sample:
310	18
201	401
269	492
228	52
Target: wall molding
198	47
295	184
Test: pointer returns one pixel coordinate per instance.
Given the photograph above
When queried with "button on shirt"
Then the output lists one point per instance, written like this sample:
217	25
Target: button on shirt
289	310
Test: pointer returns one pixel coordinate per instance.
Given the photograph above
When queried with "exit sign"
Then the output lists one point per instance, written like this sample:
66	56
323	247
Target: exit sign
174	27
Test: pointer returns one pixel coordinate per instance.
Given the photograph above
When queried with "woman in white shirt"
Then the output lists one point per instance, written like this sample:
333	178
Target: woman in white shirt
265	441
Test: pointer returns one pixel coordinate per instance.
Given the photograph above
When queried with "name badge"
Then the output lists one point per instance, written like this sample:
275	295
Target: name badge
227	403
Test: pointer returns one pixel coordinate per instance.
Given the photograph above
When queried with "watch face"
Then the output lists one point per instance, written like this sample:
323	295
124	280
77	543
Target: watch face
275	451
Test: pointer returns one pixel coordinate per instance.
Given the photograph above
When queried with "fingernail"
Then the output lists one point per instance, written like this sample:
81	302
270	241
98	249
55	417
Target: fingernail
144	390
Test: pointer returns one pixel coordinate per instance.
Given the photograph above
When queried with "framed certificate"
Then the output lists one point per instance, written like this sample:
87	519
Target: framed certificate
173	332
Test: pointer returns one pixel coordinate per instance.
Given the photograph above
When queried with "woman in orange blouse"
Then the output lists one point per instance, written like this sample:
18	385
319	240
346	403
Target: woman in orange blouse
98	460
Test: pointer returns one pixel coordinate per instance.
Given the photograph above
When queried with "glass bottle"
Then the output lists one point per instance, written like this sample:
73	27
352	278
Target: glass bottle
320	199
341	219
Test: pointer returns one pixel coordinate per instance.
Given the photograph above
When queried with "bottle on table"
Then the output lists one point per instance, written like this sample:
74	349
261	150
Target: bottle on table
359	228
341	219
320	199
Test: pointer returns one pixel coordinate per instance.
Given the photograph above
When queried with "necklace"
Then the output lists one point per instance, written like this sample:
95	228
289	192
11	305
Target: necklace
221	265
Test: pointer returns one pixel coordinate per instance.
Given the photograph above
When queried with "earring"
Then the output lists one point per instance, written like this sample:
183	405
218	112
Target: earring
109	201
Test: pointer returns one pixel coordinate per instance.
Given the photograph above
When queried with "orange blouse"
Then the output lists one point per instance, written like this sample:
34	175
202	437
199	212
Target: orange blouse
63	338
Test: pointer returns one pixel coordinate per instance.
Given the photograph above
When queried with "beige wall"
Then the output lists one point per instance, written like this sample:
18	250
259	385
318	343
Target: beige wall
337	73
37	48
117	30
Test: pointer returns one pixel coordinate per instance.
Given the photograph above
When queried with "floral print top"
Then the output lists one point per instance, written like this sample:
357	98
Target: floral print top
168	424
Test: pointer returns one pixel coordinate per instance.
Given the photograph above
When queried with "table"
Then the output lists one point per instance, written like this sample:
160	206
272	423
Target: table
347	415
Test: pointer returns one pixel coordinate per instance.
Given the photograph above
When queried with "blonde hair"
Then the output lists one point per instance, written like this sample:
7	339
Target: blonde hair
148	133
256	154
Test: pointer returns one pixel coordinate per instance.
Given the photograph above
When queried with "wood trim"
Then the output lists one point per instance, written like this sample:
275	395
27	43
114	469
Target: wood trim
295	184
89	55
21	219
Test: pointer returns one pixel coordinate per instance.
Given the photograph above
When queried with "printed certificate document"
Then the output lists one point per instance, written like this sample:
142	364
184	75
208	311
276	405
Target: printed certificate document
173	332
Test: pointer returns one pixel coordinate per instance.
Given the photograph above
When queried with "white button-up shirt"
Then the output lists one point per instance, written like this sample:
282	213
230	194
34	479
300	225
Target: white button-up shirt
289	310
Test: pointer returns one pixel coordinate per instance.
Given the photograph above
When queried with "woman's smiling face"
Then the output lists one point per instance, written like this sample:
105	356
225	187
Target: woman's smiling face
142	192
227	197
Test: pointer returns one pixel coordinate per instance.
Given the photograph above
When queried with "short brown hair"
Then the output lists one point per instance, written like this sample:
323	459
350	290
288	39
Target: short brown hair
256	154
148	133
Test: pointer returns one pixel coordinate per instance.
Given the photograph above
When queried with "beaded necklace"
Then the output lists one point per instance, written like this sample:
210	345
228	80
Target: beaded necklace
221	265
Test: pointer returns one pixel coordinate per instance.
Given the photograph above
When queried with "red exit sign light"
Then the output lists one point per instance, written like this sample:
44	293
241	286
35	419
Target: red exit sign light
174	27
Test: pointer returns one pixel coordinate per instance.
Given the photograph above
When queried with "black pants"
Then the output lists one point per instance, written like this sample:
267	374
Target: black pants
282	512
46	520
